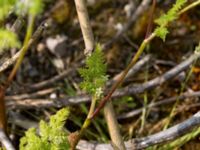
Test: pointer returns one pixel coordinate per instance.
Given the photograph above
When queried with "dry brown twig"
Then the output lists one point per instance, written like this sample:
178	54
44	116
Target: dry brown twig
32	95
169	134
61	76
128	90
86	29
158	138
20	54
49	82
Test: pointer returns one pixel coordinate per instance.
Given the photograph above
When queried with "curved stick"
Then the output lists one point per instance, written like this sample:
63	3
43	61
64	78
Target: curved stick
158	138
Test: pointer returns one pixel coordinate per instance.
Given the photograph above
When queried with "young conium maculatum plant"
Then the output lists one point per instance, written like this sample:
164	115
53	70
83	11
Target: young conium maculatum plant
51	136
94	74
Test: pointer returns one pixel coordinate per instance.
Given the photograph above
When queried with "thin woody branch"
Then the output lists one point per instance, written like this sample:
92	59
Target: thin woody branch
3	118
113	127
86	29
128	90
167	101
169	134
158	138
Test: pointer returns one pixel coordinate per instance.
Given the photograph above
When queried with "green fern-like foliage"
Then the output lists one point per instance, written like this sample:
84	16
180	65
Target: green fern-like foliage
94	74
31	7
52	135
5	7
8	39
170	16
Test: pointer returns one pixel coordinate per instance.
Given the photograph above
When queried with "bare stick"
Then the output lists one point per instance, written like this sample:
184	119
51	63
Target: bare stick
168	134
159	103
142	143
5	141
3	117
133	61
20	55
136	68
133	89
158	138
192	5
85	26
117	141
37	94
128	90
117	83
49	82
61	76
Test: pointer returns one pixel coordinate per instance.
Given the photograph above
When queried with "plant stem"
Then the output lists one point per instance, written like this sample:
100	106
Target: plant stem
123	74
89	43
173	111
150	22
89	47
24	50
113	127
3	118
85	26
192	5
133	61
86	123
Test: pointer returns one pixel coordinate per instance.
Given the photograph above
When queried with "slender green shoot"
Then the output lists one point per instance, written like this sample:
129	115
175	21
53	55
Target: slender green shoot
32	8
94	79
172	113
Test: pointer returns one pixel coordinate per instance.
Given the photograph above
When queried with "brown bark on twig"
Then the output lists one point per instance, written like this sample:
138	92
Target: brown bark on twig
128	90
49	82
3	119
61	76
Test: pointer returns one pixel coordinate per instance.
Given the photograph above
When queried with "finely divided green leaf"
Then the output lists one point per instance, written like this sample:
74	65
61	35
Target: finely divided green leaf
170	16
52	135
161	32
94	74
